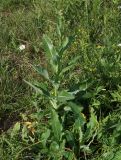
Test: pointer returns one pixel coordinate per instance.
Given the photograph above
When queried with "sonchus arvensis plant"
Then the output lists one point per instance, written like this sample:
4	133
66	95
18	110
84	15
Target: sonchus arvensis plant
68	129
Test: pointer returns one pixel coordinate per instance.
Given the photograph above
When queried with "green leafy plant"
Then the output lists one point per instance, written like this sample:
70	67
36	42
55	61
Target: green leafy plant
70	130
74	111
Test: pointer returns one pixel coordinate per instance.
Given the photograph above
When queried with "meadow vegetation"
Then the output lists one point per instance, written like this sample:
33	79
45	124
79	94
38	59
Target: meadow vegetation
60	80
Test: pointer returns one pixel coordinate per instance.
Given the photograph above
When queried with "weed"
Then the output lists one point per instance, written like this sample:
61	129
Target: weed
72	110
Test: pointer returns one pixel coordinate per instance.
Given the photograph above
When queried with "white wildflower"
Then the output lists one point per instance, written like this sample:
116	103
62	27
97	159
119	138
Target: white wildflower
119	45
119	7
22	47
103	89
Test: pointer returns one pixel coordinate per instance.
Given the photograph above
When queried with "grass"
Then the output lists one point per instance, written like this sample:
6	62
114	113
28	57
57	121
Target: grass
75	113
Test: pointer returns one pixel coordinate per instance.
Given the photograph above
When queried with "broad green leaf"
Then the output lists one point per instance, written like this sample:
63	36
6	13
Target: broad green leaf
66	43
88	95
86	149
69	155
99	89
44	137
48	46
93	119
77	111
75	92
67	108
116	96
58	30
54	147
41	85
66	69
75	108
115	1
15	129
96	103
70	138
54	103
78	128
59	26
57	150
32	139
74	60
43	88
62	145
24	134
80	135
42	71
56	125
65	96
84	85
92	125
51	53
39	88
34	87
117	155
